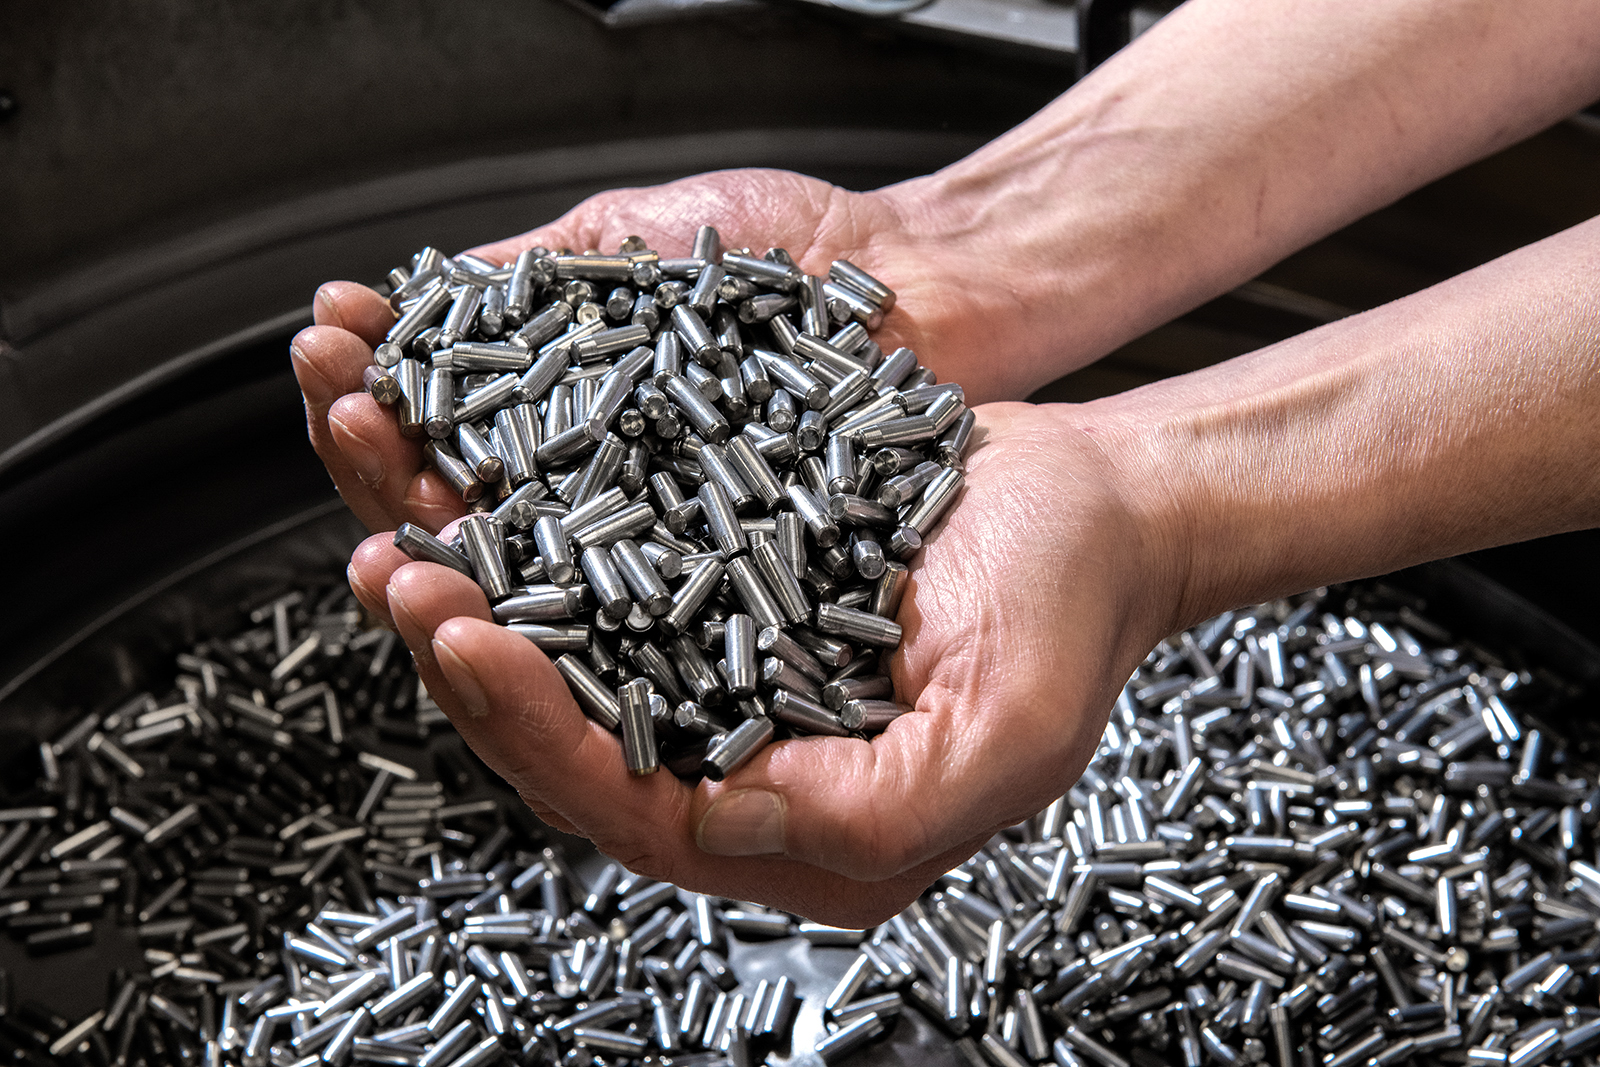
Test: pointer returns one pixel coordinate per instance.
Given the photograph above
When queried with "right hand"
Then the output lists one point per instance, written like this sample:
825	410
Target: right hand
1044	588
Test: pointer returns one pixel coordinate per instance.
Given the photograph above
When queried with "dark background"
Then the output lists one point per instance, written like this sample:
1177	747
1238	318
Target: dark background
177	176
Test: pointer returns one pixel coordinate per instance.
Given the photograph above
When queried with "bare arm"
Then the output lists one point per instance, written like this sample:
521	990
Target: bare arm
1465	416
1223	139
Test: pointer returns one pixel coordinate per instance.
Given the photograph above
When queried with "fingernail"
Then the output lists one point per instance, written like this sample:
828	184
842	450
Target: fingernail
362	456
461	679
367	596
746	823
312	381
325	300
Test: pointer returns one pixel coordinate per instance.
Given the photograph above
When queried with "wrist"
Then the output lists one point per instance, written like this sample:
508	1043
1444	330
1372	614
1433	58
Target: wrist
1071	235
1006	291
1114	481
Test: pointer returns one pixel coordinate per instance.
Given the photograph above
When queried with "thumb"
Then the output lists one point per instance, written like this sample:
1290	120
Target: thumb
866	810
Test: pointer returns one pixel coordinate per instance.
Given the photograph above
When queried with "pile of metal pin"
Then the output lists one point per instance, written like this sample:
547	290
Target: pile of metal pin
693	481
302	900
1307	838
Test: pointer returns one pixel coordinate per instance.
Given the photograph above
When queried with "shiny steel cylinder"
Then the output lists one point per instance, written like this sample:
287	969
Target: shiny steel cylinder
421	545
411	380
860	626
553	549
739	655
774	640
477	454
936	500
481	538
544	603
752	592
707	421
734	748
800	712
638	728
462	478
754	470
781	582
815	516
790	537
439	402
871	716
641	577
598	700
717	468
691	595
726	533
512	446
610	591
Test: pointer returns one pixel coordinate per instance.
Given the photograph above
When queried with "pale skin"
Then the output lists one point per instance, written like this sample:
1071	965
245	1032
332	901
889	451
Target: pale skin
1465	416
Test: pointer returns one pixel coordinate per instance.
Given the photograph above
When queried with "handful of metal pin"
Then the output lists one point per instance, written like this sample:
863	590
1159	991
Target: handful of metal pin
695	482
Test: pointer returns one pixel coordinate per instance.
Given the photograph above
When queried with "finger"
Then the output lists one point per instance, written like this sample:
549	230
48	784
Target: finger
354	307
417	595
371	565
368	439
524	723
327	363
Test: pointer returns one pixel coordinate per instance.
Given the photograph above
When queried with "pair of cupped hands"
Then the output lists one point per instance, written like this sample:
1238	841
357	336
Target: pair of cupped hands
1026	611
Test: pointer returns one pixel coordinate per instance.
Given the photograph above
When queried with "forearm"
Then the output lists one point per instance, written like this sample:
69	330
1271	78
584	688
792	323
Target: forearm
1226	137
1465	416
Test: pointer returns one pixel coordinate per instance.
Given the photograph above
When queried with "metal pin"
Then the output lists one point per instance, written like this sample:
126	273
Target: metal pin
481	539
724	527
739	650
861	626
733	749
638	729
641	577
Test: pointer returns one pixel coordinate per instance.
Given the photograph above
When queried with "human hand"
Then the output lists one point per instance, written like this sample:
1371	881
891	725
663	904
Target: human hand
947	311
1025	614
